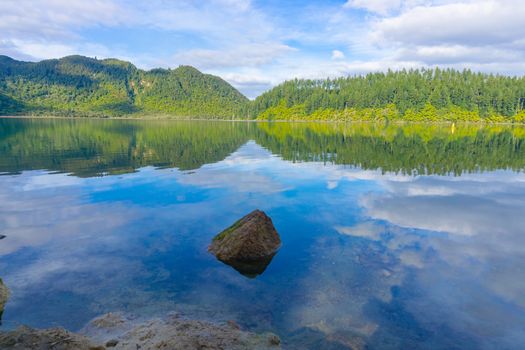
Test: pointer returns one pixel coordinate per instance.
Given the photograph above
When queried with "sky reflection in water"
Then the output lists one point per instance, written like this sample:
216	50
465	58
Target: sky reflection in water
383	259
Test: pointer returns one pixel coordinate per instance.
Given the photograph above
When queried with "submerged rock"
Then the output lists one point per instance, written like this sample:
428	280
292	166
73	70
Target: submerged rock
174	332
249	244
118	331
25	338
111	343
4	295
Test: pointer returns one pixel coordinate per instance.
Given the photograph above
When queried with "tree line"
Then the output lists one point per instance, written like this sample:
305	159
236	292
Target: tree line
82	86
411	95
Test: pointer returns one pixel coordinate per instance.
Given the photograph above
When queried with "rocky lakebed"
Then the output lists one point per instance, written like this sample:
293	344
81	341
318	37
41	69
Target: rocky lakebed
120	331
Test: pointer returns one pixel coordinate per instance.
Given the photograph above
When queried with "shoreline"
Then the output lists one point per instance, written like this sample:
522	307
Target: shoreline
174	118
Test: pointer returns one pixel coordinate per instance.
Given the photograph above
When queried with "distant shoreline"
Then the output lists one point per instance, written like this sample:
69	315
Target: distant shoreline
174	118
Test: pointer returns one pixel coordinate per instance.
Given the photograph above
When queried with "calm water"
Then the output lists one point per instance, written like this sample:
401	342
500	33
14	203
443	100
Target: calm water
392	237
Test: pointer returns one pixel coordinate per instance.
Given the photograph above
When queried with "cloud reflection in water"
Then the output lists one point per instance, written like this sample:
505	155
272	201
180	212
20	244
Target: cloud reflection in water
367	257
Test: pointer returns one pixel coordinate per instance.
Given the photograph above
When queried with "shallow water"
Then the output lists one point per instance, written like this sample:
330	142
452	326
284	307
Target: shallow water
393	237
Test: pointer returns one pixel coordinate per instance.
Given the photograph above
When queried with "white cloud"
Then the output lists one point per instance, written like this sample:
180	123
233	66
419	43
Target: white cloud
217	20
462	23
337	55
251	84
450	54
245	55
50	29
474	33
50	20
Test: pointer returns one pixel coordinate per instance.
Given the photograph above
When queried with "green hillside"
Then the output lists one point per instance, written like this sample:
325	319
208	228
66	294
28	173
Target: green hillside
77	85
82	86
414	95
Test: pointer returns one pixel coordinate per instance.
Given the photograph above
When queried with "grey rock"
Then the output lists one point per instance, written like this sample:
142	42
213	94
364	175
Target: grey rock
249	244
111	343
175	332
25	338
119	332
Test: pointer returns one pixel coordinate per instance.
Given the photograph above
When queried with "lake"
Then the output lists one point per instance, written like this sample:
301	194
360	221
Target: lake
393	237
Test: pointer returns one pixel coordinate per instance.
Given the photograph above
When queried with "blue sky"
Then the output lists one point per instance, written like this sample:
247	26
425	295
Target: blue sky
257	44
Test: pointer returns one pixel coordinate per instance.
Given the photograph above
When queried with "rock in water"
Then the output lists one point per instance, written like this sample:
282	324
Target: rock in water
251	241
4	295
251	238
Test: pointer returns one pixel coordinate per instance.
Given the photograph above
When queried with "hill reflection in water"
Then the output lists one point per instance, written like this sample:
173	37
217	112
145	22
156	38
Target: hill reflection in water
100	147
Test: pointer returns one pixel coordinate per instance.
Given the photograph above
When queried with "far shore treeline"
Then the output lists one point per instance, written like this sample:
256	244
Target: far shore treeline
82	86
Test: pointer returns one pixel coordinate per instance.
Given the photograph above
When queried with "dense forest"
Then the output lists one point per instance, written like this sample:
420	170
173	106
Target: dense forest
100	147
413	95
82	86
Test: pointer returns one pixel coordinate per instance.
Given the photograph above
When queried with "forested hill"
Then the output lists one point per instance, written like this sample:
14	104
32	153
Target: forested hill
82	86
414	95
77	85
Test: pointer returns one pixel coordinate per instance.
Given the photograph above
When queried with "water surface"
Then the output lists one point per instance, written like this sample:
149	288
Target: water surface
393	236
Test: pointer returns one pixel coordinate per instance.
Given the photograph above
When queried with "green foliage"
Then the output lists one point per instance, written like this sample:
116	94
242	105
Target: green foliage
9	105
82	86
227	231
520	117
77	85
413	95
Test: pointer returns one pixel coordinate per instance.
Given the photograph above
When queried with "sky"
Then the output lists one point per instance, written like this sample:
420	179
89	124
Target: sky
255	44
